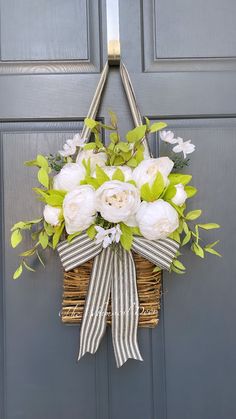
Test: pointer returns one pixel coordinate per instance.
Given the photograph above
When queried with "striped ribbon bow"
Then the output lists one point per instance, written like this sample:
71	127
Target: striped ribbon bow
113	274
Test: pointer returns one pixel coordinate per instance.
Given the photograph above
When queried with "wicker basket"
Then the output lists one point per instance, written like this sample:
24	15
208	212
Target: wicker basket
149	292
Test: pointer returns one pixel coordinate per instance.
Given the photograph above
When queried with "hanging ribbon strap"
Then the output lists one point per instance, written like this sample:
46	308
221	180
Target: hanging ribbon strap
113	273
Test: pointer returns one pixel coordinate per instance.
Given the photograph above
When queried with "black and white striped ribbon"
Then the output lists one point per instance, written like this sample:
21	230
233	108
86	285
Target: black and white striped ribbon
113	274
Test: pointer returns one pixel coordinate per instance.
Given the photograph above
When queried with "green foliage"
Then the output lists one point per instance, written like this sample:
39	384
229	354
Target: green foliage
126	237
136	134
176	178
91	232
118	175
152	193
101	176
16	238
157	126
192	215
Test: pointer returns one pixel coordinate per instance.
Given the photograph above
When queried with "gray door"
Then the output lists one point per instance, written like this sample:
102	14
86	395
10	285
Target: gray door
181	57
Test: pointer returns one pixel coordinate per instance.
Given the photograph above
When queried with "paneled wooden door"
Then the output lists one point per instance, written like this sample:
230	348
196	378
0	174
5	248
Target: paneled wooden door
181	57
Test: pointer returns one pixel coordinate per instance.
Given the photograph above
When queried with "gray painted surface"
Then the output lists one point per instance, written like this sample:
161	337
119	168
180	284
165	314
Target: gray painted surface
189	369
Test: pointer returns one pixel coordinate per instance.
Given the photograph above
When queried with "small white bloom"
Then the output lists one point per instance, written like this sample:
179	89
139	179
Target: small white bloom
69	177
79	209
147	170
157	220
117	201
52	215
99	159
180	196
184	146
106	237
110	170
168	137
69	147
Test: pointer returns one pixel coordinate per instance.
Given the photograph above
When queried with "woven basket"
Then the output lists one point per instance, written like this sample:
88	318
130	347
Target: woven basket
149	292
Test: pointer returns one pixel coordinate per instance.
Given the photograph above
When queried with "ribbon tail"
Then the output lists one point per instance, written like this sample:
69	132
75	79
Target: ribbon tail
94	318
160	252
125	308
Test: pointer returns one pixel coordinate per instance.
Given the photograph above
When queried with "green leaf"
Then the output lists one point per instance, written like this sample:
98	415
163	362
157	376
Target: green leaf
70	237
118	161
139	155
187	238
91	232
212	251
118	175
40	259
43	239
132	162
126	237
157	269
114	137
123	147
176	178
16	238
190	191
198	250
91	181
136	134
21	225
113	118
175	236
42	162
90	123
192	215
179	265
213	244
177	271
132	182
57	235
157	126
146	193
18	272
158	186
30	163
29	252
28	267
90	146
101	176
169	193
43	177
136	231
209	226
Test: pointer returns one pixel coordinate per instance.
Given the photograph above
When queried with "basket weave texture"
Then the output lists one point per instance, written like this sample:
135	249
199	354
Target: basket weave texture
149	291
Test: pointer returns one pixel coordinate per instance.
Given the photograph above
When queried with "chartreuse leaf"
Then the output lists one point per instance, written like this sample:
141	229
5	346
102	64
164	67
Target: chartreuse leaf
29	268
70	237
175	236
122	146
146	193
158	186
190	191
169	193
187	238
209	226
90	181
89	146
18	271
213	244
212	251
176	178
42	162
157	126
198	250
118	175
16	238
113	118
55	198
114	137
43	239
132	162
156	269
43	177
192	215
90	123
126	237
179	265
57	235
136	134
101	176
91	231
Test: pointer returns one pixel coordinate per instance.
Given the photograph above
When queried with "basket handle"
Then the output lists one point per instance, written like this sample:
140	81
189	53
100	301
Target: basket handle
137	118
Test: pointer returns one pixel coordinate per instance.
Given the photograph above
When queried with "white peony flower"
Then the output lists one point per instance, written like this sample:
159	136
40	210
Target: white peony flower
95	158
52	215
180	196
157	220
147	170
106	237
110	170
168	137
184	146
117	201
79	209
69	147
69	177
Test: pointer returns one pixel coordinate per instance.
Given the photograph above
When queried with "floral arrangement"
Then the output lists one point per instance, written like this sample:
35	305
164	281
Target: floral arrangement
113	193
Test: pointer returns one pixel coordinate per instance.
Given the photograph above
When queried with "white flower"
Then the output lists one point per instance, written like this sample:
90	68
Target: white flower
168	137
117	201
185	146
106	237
95	158
157	220
69	147
79	209
110	170
52	215
180	195
69	177
147	170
